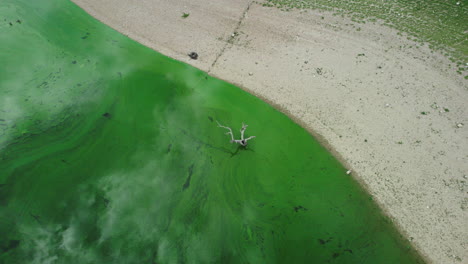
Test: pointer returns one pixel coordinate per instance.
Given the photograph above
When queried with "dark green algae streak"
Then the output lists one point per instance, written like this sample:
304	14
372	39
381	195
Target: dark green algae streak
110	153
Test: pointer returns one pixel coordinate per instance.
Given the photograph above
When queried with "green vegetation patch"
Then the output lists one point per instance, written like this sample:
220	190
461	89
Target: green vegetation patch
442	24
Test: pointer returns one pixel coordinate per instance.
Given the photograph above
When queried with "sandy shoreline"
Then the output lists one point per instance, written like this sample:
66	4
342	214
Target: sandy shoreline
387	107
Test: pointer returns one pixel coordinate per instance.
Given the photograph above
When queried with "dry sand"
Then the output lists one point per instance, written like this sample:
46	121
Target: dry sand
360	91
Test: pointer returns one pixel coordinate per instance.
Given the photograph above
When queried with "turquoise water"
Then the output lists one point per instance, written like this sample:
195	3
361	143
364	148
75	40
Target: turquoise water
110	153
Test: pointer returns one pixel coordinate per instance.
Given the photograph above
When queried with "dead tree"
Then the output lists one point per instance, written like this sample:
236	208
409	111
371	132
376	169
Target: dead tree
242	141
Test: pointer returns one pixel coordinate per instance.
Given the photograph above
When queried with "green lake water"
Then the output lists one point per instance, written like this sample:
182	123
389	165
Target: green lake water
110	153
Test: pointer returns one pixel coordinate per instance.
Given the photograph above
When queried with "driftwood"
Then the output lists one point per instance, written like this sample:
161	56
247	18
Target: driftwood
243	141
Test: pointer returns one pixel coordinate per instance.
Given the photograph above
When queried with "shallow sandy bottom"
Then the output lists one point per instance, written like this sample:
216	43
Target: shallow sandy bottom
374	98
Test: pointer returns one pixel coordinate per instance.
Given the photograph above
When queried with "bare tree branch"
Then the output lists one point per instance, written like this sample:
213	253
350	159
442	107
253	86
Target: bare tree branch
228	133
249	138
244	127
242	141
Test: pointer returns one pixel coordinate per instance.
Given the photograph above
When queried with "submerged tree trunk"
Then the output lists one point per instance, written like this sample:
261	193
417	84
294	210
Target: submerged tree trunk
243	141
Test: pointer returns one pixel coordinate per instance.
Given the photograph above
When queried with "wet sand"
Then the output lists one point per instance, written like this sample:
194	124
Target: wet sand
390	109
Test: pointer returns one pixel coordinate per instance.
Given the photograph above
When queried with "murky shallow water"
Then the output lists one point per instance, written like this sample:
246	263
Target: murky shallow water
110	153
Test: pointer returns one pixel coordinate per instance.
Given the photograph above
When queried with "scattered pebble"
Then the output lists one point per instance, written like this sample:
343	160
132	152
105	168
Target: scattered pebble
250	73
459	125
387	105
348	172
193	55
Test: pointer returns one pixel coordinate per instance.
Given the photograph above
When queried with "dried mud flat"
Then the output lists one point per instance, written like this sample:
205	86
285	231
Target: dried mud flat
392	110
